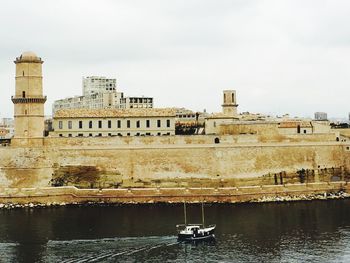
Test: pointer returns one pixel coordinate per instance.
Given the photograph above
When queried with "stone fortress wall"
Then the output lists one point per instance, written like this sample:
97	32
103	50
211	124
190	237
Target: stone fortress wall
172	161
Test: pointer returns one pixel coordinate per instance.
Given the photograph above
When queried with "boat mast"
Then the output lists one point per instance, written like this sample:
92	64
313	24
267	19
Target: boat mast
203	215
185	213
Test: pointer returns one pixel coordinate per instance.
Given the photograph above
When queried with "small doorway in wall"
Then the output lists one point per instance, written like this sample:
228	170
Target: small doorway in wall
298	129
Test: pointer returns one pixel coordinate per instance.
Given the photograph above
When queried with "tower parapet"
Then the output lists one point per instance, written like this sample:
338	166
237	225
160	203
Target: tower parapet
28	99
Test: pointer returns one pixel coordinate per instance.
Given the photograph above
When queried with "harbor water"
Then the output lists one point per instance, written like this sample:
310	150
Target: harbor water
314	231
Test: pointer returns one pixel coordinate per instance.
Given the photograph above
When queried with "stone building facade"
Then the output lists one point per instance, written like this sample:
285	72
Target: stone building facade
114	122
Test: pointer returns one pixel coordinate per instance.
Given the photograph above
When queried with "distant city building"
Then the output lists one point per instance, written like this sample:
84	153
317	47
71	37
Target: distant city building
320	116
6	122
101	93
95	85
113	122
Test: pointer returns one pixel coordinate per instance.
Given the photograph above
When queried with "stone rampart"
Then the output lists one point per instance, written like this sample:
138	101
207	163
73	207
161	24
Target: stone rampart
170	161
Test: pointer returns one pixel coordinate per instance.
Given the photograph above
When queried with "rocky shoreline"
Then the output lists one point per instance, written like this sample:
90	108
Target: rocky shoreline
263	199
303	197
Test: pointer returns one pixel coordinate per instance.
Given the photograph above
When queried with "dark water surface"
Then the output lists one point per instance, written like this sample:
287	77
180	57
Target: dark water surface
317	231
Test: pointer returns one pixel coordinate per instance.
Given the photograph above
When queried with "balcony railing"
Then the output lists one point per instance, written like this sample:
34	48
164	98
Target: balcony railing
31	99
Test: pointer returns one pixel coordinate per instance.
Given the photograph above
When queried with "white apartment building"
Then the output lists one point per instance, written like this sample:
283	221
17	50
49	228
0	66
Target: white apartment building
320	116
95	84
101	93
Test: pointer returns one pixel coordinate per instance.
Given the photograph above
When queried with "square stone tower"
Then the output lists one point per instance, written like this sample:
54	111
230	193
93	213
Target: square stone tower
28	99
229	107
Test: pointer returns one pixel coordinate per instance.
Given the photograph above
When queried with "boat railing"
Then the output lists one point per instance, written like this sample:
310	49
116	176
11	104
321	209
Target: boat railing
185	225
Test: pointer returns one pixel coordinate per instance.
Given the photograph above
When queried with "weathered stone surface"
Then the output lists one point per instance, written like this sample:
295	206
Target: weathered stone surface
174	161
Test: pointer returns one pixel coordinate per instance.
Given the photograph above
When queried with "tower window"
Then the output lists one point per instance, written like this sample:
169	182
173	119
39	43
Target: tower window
137	124
158	123
168	123
90	124
100	124
80	124
23	94
233	97
128	123
119	124
23	73
60	125
69	124
147	123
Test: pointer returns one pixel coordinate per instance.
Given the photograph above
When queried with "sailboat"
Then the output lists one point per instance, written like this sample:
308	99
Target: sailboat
195	232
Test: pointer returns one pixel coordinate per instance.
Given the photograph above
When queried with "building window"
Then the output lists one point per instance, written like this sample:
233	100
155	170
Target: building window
90	124
80	135
138	134
70	125
109	134
90	134
159	123
100	134
148	133
137	124
168	123
148	123
109	124
128	134
23	94
80	124
60	125
159	134
119	124
70	135
99	124
128	123
61	135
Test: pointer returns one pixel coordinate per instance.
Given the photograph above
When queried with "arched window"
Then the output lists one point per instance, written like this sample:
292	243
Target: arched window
217	140
23	94
233	97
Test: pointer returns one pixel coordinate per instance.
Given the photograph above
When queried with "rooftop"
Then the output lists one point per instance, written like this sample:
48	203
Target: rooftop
28	56
111	113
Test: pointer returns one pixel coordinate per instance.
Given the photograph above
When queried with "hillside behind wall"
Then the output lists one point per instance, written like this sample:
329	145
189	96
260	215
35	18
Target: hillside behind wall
169	161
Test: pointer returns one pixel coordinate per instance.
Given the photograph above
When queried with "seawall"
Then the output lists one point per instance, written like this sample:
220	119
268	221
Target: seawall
73	195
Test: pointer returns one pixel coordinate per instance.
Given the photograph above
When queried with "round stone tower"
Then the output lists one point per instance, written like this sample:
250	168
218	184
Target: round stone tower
229	107
29	100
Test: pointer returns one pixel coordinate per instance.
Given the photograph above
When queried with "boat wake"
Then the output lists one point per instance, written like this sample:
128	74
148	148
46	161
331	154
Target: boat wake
112	248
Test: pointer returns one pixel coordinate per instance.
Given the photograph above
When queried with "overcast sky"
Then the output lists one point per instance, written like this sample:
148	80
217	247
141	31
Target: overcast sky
280	56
